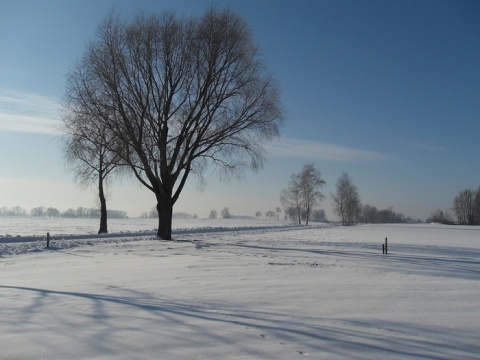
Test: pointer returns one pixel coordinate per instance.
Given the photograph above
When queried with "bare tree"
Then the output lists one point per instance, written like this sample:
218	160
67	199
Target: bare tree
442	217
179	94
302	193
226	213
258	214
278	211
477	206
89	152
464	207
270	215
369	214
213	214
346	202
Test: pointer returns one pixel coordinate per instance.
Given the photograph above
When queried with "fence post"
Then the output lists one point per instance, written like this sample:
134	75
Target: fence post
48	239
383	248
386	247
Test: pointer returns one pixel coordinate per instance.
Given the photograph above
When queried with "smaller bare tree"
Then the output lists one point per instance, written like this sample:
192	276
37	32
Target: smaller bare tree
226	213
464	207
346	202
442	217
87	151
278	211
270	215
213	214
302	193
477	206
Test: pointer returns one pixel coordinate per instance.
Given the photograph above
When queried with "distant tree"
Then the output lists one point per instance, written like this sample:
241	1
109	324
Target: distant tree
386	216
318	215
441	217
116	214
464	207
181	215
70	213
346	201
14	211
178	94
369	214
81	212
52	212
226	213
291	214
270	215
213	214
477	206
258	214
278	211
153	212
38	211
302	193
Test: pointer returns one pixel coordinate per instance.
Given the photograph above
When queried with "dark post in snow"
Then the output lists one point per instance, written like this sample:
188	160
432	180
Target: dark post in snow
48	239
386	248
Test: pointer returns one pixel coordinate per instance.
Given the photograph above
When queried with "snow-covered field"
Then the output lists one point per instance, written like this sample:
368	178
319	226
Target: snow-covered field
243	290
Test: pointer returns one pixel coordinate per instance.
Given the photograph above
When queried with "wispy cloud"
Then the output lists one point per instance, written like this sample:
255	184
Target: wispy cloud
28	112
297	148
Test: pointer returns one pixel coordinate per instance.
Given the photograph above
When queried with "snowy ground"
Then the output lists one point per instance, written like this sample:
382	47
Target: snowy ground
234	292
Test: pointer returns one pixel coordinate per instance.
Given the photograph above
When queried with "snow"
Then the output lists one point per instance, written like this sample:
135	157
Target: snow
243	290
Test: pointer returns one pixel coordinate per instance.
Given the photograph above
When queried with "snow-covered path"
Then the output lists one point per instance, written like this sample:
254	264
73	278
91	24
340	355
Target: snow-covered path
285	293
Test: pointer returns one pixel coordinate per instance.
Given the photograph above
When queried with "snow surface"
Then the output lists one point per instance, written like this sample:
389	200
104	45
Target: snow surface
244	291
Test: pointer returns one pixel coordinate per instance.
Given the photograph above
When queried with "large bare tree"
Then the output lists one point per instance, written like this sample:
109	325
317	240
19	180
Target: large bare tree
302	193
179	94
87	145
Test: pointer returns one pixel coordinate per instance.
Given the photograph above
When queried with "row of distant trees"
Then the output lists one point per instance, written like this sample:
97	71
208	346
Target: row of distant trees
42	211
13	211
152	214
303	194
225	214
466	207
270	214
370	214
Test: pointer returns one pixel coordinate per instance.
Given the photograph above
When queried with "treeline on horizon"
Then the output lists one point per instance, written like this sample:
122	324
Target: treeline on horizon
80	212
371	215
466	207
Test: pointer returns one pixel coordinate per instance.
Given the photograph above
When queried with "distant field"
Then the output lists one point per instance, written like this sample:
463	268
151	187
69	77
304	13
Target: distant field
31	226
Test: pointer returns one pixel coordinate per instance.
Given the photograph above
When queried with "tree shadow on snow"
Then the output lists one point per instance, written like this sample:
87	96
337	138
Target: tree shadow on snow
201	325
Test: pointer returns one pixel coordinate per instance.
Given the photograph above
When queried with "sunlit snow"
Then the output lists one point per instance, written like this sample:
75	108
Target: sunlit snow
228	289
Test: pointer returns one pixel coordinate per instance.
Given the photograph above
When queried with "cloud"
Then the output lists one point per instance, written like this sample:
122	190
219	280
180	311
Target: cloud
20	111
9	122
297	148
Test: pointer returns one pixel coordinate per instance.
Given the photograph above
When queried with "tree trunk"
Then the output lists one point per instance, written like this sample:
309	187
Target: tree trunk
103	208
165	212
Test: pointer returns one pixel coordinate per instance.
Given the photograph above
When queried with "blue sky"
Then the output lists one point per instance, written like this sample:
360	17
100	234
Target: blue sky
388	91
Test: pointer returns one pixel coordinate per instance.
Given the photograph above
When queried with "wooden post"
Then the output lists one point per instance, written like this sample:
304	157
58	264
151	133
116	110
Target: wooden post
386	247
48	239
383	248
